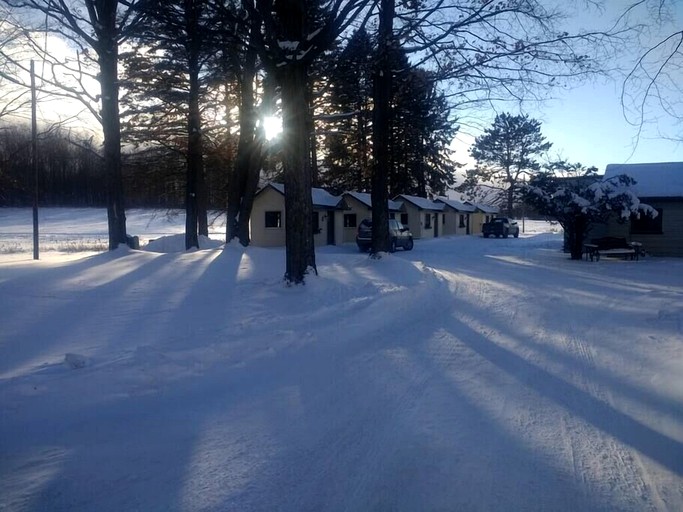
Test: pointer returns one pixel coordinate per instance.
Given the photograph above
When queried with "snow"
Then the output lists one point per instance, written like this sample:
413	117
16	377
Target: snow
421	202
288	45
467	374
486	208
366	199
176	243
457	205
662	179
320	197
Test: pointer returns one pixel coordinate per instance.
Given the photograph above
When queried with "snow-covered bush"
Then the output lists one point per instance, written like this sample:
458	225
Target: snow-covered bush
577	197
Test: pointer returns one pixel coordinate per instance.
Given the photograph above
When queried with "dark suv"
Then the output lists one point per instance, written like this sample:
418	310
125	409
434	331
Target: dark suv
399	236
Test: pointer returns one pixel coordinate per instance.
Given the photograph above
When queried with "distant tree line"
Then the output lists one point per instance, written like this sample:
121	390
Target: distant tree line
70	172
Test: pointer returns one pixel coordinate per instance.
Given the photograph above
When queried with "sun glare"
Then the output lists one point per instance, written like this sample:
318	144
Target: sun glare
272	126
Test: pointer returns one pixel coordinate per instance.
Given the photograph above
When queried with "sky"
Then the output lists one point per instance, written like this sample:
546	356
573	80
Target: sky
466	374
586	123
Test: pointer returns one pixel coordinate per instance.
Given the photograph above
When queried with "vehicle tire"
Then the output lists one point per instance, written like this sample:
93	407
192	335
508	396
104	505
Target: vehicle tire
392	245
409	245
486	235
516	234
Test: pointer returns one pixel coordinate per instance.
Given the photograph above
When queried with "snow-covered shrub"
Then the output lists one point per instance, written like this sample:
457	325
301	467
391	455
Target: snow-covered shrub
578	197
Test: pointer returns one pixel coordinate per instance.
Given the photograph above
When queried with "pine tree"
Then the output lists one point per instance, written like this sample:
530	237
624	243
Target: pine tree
169	68
347	124
506	155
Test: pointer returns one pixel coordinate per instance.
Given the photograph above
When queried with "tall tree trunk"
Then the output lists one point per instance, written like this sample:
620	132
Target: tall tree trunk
297	173
194	168
313	141
380	135
111	128
245	173
361	141
251	185
195	196
576	235
510	199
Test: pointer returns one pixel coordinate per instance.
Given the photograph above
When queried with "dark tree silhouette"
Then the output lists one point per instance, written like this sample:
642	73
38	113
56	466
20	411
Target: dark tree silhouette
101	27
506	154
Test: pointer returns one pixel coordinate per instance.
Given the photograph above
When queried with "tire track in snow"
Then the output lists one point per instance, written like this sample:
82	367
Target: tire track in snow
360	391
605	465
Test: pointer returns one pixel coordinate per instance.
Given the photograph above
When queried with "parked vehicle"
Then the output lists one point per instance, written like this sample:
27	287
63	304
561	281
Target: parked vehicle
500	226
399	236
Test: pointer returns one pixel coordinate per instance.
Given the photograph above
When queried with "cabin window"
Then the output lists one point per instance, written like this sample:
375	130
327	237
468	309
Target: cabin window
273	219
404	219
428	221
350	220
646	225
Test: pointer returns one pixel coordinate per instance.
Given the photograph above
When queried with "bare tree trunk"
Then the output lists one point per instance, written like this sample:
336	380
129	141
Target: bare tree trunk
297	173
195	196
380	135
510	199
576	235
250	187
202	202
361	140
313	141
245	174
109	84
194	168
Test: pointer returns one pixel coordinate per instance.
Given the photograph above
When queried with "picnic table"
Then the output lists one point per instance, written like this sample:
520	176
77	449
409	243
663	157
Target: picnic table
611	246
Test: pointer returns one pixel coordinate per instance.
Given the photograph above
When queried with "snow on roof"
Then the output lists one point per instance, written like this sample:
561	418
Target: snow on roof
320	197
422	202
324	198
366	199
486	208
456	205
664	179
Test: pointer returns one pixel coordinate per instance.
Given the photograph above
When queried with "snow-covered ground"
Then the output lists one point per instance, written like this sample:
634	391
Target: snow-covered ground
468	374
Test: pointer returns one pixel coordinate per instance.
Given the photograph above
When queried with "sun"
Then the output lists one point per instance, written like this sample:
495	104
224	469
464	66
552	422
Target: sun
272	125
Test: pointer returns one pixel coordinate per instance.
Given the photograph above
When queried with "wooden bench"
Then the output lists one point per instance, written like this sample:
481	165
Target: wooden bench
611	246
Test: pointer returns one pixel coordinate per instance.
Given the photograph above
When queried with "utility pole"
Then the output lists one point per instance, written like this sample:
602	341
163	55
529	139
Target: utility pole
34	163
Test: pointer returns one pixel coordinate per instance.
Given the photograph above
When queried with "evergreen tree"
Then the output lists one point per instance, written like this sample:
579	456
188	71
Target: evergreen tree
347	125
169	68
420	128
422	131
506	155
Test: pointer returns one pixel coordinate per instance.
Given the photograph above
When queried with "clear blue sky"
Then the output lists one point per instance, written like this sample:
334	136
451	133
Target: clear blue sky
586	124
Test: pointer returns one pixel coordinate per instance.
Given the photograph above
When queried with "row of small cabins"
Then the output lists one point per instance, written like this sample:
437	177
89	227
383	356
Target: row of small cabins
336	218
